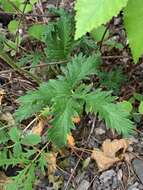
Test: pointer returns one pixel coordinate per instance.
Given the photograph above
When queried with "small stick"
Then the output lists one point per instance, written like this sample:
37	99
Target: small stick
30	15
71	176
92	129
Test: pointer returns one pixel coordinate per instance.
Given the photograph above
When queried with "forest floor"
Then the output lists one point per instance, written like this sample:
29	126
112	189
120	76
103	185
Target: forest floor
75	168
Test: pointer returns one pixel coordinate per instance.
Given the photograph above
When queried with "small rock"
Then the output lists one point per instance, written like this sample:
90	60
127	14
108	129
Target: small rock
133	139
99	131
138	167
130	149
117	21
84	185
114	183
133	188
140	186
108	175
119	174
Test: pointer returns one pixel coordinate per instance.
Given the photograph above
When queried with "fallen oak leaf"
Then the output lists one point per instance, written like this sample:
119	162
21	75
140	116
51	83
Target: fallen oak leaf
108	156
103	161
111	148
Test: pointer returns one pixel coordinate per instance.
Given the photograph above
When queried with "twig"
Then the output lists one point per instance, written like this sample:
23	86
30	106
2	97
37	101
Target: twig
19	23
92	181
92	129
4	56
71	176
115	57
35	66
29	125
30	15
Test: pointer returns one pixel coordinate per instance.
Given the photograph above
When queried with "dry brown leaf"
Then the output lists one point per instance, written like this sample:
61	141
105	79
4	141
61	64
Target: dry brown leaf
51	159
103	161
110	148
70	140
39	127
108	156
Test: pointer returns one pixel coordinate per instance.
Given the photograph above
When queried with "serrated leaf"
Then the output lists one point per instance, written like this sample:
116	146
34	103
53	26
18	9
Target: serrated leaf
14	134
88	66
59	37
17	149
93	13
31	139
62	125
4	138
61	88
33	102
133	19
114	115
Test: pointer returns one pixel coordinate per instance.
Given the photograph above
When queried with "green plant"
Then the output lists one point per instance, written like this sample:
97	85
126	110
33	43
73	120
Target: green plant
112	80
58	36
17	5
64	98
17	150
93	13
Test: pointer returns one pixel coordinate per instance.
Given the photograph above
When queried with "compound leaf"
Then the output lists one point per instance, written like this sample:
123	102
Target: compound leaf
62	125
115	116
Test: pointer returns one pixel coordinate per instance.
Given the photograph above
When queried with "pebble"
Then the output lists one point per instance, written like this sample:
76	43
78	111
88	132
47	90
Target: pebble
133	188
120	174
130	149
106	176
84	185
99	131
138	167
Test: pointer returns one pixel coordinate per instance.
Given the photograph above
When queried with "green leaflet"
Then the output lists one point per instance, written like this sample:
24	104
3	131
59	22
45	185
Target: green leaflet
114	115
31	139
24	180
14	134
93	13
65	96
46	94
133	19
36	31
59	37
81	67
62	125
33	102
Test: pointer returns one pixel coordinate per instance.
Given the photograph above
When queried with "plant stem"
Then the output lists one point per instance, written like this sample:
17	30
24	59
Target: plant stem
4	56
